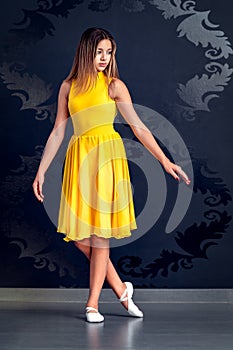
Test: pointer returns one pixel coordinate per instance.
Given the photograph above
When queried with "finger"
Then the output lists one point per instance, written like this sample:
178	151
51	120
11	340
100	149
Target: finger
34	186
176	177
183	175
36	191
40	190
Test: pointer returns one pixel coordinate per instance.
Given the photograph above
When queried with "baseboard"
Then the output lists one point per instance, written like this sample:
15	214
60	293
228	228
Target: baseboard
141	295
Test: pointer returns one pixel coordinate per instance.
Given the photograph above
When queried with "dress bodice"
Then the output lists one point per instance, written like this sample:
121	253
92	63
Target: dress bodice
92	111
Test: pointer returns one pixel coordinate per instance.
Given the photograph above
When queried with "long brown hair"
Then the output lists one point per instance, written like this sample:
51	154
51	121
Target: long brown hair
83	70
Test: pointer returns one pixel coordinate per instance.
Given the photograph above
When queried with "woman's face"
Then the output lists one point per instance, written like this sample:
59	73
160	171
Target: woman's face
103	55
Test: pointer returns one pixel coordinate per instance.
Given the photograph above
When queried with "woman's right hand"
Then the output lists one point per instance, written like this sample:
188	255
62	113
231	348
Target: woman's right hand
37	186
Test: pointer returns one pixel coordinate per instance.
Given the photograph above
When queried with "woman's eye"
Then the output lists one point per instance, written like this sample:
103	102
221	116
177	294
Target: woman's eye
100	52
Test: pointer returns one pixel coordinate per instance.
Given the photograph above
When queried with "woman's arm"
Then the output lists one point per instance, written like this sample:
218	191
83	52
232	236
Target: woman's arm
54	140
119	92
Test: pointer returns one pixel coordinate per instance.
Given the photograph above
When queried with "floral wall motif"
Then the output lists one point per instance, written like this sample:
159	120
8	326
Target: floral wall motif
176	57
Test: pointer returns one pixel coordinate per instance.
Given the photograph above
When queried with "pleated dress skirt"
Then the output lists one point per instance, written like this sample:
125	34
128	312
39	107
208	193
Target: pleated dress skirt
96	196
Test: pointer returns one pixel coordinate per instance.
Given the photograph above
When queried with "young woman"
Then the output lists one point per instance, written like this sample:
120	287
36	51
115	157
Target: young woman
96	200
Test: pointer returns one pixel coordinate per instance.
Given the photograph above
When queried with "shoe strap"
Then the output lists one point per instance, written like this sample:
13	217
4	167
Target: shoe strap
90	308
124	297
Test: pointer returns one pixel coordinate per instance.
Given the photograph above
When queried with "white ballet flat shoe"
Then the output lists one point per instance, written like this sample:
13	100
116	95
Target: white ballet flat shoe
133	310
93	316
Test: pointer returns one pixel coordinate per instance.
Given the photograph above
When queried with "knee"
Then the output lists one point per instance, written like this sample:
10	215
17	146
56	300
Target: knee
99	242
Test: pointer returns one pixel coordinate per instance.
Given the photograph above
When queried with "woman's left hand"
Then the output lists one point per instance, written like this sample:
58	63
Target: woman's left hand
175	170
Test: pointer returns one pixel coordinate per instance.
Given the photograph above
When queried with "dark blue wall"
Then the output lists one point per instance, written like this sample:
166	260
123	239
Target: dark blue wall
176	59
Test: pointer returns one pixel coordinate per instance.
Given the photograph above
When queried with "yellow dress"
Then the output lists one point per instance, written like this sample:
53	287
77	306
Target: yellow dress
96	197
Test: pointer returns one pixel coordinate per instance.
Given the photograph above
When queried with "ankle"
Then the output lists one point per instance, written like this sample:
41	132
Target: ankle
92	305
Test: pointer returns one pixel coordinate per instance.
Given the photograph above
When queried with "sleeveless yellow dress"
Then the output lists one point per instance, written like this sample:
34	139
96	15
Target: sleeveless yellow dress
96	197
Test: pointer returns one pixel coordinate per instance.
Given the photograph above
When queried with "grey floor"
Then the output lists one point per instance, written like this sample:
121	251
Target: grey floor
62	325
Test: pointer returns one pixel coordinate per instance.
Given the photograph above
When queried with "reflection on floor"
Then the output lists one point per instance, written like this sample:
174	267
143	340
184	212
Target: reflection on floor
180	326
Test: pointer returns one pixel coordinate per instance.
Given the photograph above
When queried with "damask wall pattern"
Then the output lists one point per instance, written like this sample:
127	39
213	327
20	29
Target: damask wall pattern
183	70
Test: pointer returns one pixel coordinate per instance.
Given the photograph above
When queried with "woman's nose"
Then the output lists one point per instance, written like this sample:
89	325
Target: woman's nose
103	56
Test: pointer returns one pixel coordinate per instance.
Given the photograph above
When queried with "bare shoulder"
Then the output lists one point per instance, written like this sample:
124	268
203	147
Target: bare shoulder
65	88
118	90
117	84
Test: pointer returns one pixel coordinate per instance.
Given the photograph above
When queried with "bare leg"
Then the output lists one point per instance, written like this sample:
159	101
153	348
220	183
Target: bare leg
112	276
99	258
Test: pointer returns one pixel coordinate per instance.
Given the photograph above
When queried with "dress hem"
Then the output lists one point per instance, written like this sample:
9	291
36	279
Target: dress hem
69	239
